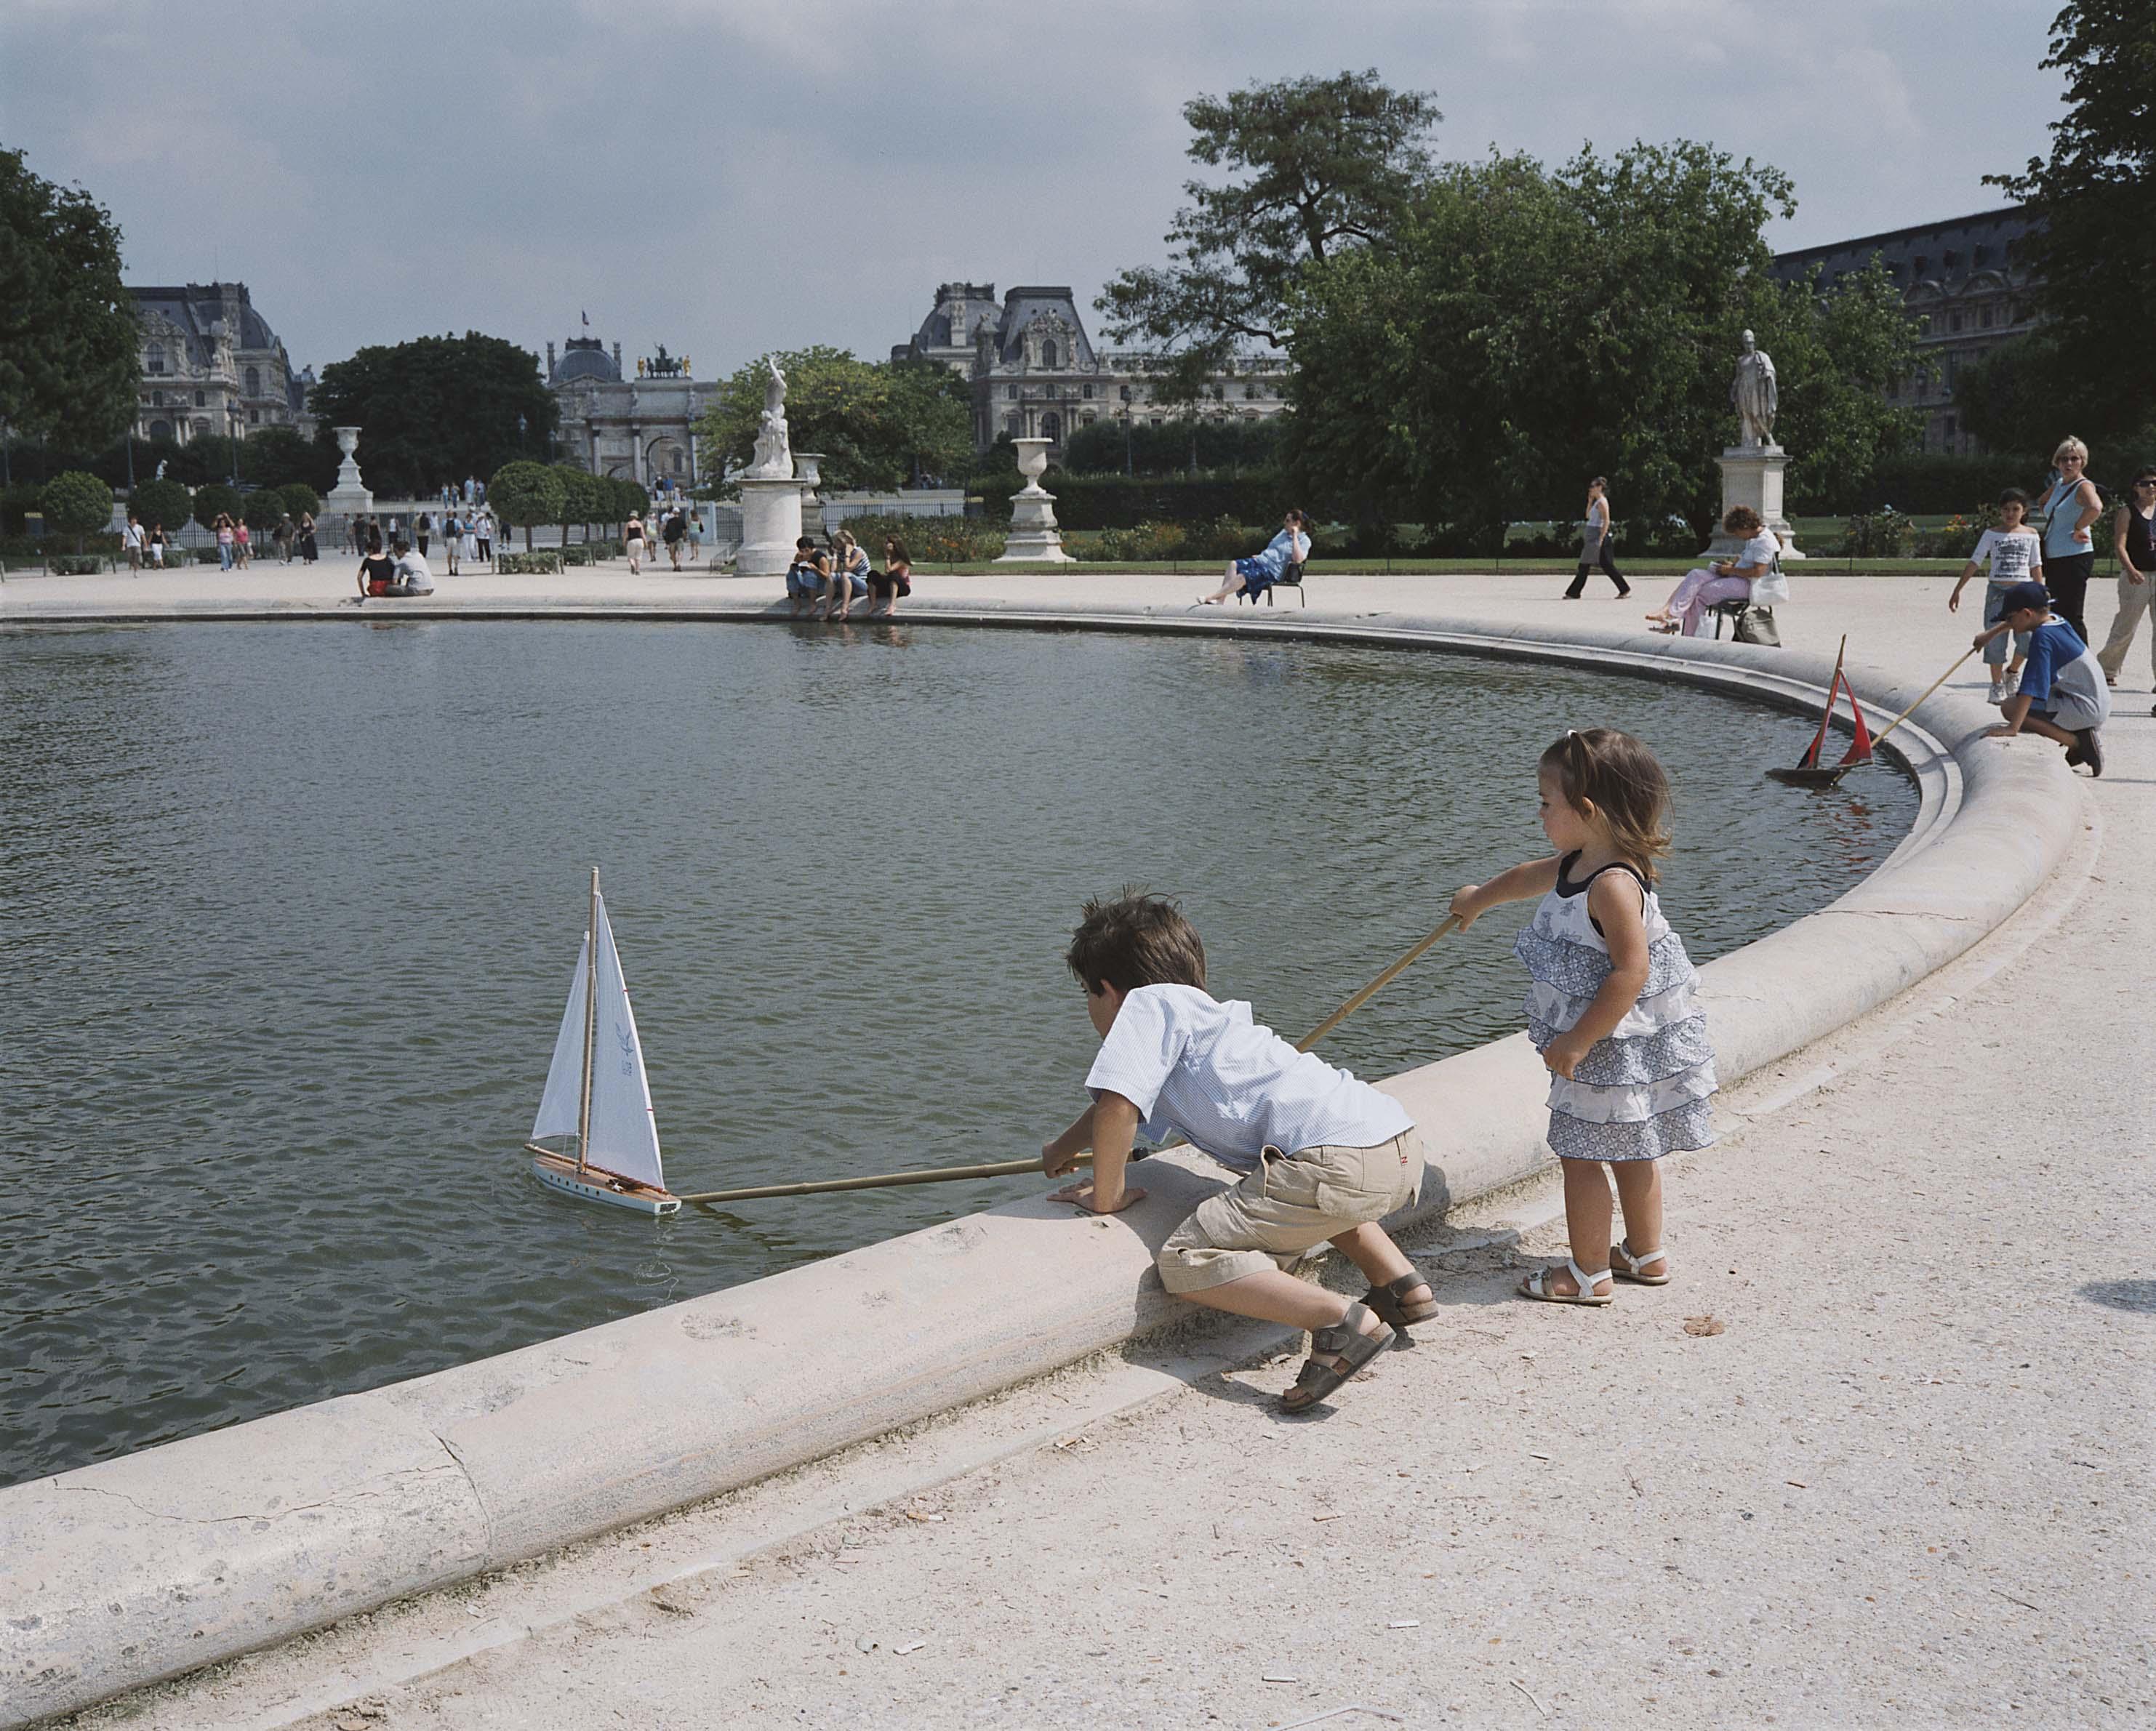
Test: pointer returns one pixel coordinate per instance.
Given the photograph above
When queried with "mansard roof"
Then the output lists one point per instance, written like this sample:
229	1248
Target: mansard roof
1022	306
1946	253
195	307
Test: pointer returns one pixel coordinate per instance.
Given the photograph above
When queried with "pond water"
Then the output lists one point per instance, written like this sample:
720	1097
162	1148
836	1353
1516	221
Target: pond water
291	910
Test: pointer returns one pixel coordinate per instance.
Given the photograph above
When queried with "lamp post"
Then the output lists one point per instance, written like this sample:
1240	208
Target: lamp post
232	421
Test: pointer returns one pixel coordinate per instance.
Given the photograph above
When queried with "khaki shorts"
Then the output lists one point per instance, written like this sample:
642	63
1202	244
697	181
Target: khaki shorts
1284	1210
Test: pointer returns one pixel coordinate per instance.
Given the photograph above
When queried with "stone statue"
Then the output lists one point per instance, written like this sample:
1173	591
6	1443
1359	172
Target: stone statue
1755	395
773	459
161	468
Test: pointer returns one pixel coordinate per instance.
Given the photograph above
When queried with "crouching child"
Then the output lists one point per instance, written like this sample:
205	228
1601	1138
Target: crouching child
1322	1157
2063	694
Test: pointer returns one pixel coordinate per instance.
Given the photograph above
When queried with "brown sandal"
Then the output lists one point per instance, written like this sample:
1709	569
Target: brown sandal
1346	1341
1390	1302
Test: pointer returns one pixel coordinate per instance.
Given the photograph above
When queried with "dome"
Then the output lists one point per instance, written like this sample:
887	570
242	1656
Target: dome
586	360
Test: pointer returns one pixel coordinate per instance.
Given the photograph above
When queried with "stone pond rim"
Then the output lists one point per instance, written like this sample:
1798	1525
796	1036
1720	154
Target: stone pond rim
130	1570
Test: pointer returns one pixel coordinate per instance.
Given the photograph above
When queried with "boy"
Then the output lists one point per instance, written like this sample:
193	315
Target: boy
2014	556
2062	695
413	576
1323	1156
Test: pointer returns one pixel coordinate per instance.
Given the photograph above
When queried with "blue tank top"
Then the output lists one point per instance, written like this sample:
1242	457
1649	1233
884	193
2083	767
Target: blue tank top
2062	510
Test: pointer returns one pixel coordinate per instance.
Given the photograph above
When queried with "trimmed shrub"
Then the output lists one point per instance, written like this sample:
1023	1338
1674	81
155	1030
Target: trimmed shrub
75	564
213	499
530	564
301	500
524	494
164	502
76	504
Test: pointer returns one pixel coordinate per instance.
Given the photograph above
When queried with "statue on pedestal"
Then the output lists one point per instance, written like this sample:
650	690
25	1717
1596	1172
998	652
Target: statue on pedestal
773	459
1755	395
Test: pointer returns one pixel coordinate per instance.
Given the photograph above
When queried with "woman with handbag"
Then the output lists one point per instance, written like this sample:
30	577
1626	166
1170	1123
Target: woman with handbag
1597	544
1752	574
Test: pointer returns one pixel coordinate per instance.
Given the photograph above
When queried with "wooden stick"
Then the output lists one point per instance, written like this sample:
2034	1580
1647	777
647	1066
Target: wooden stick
1928	690
1014	1169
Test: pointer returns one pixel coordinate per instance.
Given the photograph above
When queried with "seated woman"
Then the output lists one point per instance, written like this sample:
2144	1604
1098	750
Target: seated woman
898	579
1750	575
377	570
808	575
1254	576
849	575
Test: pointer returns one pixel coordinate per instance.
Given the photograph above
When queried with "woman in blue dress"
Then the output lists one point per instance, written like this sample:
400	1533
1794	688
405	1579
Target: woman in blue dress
1254	576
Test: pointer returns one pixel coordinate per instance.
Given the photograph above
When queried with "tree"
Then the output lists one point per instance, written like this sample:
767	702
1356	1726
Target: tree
878	423
1229	443
1318	166
1525	329
68	332
434	409
2096	250
215	500
264	508
277	457
525	494
626	498
583	498
300	499
77	503
164	502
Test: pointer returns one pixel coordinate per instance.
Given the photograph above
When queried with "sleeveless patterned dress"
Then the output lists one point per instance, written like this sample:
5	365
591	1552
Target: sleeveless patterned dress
1644	1092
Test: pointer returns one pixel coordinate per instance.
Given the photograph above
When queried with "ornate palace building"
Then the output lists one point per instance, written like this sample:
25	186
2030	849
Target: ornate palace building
1964	282
642	426
211	365
1036	374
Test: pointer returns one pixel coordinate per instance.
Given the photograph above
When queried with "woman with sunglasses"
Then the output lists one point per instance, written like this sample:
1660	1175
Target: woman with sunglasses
2133	537
2071	504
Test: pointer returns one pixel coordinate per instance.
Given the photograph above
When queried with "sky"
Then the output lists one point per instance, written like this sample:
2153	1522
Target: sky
729	178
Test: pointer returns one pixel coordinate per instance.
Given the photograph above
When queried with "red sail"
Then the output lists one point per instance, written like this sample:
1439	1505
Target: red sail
1860	748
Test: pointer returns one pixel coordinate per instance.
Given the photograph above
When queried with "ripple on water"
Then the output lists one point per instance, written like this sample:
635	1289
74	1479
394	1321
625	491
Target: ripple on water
291	913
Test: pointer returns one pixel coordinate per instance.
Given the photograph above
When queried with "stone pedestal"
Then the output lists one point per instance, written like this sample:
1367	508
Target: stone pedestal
1752	475
1034	539
771	524
349	497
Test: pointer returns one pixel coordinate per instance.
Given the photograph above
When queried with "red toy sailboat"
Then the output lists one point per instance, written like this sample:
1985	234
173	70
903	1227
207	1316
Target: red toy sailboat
1809	771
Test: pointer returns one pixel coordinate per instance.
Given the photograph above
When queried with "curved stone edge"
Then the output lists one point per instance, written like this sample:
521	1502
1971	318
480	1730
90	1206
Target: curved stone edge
128	1571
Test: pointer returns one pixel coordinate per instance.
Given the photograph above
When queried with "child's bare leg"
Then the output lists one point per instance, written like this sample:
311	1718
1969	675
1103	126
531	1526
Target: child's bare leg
1586	1223
1274	1296
1372	1250
1639	1194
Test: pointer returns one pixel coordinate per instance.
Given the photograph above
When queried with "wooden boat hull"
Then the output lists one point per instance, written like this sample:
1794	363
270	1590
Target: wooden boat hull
592	1185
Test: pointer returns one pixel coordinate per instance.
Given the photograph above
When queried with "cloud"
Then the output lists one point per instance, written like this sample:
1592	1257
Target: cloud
729	178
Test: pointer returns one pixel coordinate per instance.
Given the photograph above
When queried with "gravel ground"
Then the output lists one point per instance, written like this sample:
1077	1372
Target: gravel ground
1881	1455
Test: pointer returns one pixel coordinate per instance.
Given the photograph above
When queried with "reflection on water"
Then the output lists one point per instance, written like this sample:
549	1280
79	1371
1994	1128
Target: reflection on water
291	913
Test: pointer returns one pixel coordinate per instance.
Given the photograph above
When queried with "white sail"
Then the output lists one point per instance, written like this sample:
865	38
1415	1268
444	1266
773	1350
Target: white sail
624	1134
563	1099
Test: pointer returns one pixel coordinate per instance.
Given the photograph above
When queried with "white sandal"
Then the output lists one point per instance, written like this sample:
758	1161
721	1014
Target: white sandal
1627	1267
1536	1285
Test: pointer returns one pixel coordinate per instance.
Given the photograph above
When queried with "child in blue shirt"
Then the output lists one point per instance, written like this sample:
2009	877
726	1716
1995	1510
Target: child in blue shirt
1323	1156
2063	694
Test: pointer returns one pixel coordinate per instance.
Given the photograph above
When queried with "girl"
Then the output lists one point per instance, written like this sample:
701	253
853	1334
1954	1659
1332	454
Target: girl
849	573
1597	544
898	579
2012	555
1614	1009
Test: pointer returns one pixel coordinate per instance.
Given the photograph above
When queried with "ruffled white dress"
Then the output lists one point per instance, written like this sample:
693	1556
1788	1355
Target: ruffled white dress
1643	1092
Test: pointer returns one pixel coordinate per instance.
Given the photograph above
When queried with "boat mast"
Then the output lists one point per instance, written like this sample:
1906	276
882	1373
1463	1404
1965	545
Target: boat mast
591	1023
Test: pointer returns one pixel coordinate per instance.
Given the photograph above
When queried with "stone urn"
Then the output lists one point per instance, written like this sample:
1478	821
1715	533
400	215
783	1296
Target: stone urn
809	468
1032	461
1034	538
350	496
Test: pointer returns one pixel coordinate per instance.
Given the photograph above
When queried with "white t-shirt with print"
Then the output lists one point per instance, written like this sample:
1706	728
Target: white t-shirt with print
2010	555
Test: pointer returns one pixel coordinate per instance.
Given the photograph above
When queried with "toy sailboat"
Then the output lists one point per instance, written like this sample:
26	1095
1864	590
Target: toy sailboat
596	1093
1809	771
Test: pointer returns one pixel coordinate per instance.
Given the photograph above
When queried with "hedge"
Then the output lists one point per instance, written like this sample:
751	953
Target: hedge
510	565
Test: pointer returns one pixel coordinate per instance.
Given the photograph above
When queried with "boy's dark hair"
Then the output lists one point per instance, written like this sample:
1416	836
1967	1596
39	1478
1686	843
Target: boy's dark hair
1623	781
1137	939
2013	495
806	543
400	546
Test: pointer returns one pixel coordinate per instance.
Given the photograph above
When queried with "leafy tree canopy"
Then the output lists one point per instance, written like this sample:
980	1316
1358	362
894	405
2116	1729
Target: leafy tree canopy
2096	193
1525	329
300	499
434	409
78	505
164	502
1316	166
216	499
878	423
524	495
1167	450
68	327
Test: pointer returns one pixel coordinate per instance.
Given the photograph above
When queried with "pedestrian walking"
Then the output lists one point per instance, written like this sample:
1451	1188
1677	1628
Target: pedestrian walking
2133	539
675	534
284	535
130	538
156	543
1597	544
2070	505
308	552
632	534
452	532
422	531
483	533
225	553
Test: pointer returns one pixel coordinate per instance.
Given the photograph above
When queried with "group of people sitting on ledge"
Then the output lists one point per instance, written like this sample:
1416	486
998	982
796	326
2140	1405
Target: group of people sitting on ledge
829	579
399	572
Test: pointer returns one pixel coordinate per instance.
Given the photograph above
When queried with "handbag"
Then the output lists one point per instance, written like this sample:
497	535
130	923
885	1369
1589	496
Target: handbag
1756	625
